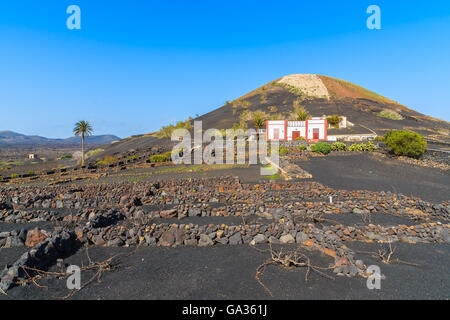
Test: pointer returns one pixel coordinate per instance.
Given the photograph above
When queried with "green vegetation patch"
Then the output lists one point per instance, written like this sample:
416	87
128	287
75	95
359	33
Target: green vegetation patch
338	146
164	157
108	160
405	143
321	147
390	114
368	146
94	152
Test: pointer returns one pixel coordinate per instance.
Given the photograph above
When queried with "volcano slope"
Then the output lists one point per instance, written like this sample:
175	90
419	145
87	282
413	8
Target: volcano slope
320	95
219	232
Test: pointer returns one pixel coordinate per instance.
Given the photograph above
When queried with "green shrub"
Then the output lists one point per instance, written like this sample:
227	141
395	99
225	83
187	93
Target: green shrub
338	146
368	146
108	160
302	148
405	143
334	120
284	150
67	156
14	175
299	139
390	114
355	147
165	157
321	147
246	104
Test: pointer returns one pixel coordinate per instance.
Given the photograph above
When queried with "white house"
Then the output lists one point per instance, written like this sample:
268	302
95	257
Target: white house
314	129
276	129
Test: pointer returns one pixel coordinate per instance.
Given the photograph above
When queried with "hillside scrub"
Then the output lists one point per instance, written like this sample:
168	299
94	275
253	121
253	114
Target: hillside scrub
390	114
166	131
164	157
94	152
321	147
405	143
292	89
108	160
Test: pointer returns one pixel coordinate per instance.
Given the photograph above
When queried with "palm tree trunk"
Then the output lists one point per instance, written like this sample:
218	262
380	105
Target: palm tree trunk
82	149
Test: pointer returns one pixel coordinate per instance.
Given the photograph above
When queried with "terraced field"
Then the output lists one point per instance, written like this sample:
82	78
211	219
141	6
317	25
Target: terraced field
219	234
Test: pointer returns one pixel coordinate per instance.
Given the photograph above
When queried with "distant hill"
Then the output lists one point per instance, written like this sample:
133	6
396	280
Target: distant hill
12	139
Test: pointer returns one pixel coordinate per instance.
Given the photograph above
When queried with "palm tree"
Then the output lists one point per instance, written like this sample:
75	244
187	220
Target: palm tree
300	113
84	129
259	121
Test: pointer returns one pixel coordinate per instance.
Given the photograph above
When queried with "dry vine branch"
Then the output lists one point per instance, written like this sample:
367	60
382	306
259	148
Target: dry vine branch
106	265
100	267
385	255
288	259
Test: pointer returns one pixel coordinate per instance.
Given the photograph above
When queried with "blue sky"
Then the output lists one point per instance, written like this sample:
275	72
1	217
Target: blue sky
137	65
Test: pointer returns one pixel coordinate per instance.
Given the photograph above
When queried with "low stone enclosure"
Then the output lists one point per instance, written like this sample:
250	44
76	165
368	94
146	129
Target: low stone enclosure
172	213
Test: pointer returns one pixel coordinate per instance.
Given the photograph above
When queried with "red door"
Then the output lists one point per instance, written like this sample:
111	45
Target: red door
316	133
295	134
276	134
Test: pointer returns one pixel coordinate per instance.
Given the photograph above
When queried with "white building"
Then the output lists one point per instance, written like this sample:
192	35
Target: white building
314	129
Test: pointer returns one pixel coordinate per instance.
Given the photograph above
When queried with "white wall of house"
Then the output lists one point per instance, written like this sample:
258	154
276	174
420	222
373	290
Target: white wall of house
299	126
317	124
311	125
272	126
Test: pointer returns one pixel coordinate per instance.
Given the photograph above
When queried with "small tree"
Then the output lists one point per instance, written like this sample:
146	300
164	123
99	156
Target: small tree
84	129
334	120
405	143
259	120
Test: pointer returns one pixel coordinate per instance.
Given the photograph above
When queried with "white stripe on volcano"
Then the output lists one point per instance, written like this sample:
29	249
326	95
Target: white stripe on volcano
309	84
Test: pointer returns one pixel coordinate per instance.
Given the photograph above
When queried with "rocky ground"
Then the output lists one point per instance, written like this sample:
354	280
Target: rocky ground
222	232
